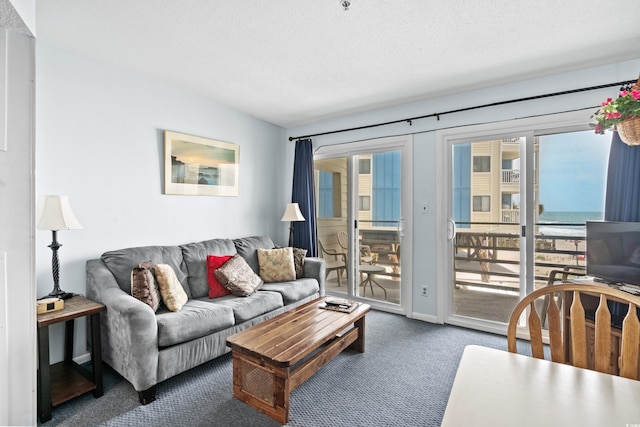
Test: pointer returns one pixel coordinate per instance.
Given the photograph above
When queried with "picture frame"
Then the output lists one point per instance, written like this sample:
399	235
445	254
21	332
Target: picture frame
199	166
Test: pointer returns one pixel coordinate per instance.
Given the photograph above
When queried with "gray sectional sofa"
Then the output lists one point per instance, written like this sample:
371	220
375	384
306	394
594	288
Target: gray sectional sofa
147	347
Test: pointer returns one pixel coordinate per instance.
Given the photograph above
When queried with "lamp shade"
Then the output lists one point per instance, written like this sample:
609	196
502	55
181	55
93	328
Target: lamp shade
292	213
56	214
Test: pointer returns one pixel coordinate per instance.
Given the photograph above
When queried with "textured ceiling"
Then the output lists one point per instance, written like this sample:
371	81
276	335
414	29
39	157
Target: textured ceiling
292	62
10	19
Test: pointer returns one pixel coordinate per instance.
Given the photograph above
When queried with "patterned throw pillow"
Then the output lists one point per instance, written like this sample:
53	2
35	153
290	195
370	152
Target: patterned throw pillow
171	290
298	260
276	265
216	289
238	277
144	286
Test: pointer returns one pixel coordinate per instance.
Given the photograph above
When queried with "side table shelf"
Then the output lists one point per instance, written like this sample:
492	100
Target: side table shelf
65	380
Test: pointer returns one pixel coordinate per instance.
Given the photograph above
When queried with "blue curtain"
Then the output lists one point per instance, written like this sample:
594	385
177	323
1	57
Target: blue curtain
622	197
622	201
304	232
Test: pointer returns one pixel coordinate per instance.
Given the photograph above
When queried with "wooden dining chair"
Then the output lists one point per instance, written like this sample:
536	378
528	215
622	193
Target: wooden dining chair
580	330
568	271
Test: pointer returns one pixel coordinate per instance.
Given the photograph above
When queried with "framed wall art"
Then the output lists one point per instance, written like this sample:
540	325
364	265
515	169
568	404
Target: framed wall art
194	165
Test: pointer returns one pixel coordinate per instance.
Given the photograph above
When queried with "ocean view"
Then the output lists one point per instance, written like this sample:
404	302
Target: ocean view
551	223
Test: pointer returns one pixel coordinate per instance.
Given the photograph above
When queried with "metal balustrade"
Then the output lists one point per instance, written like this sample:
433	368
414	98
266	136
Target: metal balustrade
490	259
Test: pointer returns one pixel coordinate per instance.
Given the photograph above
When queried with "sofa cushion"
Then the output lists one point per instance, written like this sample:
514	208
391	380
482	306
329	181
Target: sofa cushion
298	260
121	261
293	291
173	295
144	286
238	277
196	319
247	248
247	308
216	289
276	265
195	260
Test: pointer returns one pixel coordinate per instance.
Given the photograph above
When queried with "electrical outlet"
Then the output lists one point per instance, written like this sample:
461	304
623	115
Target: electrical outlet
425	291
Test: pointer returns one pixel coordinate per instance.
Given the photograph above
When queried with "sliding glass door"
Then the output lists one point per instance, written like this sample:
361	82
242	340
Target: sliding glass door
486	194
360	209
519	202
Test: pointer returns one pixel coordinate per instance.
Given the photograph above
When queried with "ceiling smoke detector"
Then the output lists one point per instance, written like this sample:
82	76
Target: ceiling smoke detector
345	4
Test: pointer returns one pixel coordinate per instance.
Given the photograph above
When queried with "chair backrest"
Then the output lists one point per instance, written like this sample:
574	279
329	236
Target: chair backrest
343	239
322	249
569	270
365	250
580	331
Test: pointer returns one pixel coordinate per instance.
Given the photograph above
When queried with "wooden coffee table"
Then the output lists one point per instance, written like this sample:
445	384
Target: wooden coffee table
274	357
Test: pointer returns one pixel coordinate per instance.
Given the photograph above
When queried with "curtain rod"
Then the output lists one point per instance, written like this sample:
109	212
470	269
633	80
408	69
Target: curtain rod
459	110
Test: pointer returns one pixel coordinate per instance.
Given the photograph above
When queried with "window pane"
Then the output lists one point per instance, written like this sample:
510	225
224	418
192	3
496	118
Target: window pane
481	203
572	175
365	203
481	163
364	166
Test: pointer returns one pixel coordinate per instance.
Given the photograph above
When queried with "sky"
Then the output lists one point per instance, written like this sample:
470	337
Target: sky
201	154
573	169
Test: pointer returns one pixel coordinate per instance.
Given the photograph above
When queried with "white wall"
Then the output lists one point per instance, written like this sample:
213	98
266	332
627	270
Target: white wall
100	142
17	296
425	181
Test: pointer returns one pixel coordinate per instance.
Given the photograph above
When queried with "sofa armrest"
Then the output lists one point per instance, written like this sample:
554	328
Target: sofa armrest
129	328
316	268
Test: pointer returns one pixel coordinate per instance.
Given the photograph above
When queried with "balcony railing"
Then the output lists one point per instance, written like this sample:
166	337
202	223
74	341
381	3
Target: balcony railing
510	216
491	260
511	176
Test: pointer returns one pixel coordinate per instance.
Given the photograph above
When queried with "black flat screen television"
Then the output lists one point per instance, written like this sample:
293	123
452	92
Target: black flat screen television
613	251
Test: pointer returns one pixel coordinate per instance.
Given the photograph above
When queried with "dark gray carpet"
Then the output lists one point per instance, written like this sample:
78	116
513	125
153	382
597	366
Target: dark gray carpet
403	379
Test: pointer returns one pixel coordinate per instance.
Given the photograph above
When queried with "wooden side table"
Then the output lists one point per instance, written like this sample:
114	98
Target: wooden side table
65	380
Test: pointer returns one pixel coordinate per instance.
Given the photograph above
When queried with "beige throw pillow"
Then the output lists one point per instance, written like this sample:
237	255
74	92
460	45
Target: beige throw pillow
172	292
276	265
238	277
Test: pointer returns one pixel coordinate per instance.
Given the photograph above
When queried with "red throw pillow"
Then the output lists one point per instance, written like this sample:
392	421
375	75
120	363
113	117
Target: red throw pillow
215	287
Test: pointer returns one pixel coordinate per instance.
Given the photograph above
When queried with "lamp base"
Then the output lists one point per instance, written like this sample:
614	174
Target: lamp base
59	293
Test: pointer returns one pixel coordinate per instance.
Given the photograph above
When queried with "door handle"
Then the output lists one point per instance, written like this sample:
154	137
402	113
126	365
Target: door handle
451	229
401	228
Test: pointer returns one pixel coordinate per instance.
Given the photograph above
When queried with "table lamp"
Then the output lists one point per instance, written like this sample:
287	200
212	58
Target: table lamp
56	214
292	213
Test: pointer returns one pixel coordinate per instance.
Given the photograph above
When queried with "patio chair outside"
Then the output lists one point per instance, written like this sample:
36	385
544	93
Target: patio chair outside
366	257
337	262
562	276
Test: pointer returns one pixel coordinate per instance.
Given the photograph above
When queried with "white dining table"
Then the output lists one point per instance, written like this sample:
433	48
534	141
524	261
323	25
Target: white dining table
497	388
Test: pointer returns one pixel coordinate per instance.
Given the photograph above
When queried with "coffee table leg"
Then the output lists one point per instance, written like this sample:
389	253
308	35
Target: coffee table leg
275	402
282	392
358	344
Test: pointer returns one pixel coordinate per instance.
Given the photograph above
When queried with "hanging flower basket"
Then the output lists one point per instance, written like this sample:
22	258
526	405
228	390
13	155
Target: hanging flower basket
629	130
621	114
